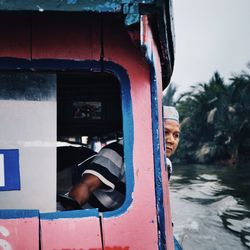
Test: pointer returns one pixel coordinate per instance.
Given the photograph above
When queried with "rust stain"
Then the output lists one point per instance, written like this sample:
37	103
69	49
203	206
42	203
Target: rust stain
137	172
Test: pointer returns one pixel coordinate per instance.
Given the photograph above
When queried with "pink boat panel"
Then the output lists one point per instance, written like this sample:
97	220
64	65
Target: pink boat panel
166	199
137	227
20	233
71	233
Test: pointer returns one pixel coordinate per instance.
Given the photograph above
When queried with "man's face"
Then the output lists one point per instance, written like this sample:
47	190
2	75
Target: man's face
172	136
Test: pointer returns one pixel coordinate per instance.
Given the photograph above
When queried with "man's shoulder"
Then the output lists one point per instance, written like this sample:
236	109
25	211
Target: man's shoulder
169	165
116	146
169	162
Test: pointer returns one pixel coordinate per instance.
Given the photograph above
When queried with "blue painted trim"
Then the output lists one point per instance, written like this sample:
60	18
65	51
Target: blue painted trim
104	6
7	63
128	123
11	169
157	160
177	245
157	156
70	214
64	6
128	133
17	214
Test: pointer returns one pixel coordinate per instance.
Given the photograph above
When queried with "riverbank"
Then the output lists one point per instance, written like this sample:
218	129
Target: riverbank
207	154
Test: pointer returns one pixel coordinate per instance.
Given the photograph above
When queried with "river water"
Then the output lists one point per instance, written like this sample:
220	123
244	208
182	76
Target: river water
211	207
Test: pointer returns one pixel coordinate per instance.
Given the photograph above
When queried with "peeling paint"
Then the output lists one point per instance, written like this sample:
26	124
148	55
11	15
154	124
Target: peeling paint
4	231
71	1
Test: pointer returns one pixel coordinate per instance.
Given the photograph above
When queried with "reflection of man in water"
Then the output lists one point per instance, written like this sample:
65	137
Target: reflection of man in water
102	184
172	133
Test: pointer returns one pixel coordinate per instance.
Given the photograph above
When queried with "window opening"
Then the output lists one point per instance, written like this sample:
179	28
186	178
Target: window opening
89	117
64	119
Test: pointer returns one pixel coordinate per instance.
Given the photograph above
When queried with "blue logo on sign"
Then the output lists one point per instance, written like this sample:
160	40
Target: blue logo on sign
9	170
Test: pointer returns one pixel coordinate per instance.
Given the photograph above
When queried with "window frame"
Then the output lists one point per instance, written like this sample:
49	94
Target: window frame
57	65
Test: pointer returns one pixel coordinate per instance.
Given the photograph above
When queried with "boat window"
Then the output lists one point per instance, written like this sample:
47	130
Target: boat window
88	118
56	123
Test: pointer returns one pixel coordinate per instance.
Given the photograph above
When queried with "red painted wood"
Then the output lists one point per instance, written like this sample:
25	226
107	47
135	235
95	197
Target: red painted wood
22	233
15	35
75	233
148	40
118	45
137	228
65	36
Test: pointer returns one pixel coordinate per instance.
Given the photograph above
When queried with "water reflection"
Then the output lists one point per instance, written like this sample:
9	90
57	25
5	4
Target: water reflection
211	207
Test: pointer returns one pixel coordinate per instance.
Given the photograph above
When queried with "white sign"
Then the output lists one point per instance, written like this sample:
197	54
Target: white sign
2	176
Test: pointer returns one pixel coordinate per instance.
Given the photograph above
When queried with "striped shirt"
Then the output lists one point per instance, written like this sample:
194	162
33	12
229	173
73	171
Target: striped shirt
169	167
108	166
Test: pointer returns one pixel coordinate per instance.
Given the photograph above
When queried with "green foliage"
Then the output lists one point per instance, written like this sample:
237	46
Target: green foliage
215	119
168	96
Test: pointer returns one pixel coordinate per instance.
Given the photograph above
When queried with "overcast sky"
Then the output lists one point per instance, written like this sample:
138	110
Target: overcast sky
210	35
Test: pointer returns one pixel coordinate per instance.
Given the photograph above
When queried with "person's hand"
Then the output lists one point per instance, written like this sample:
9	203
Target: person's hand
68	203
81	192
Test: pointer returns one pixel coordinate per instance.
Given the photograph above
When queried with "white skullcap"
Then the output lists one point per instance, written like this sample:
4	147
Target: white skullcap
171	113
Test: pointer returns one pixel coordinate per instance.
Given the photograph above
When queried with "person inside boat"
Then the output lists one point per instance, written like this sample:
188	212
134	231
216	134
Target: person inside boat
102	184
172	133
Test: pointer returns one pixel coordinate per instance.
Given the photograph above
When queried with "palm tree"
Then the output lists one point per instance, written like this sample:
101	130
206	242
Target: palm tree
239	113
168	95
216	115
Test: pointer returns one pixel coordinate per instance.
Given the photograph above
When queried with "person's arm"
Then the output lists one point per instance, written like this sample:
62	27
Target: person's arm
82	191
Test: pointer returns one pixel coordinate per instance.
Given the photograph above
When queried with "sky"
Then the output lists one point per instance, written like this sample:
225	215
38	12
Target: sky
210	35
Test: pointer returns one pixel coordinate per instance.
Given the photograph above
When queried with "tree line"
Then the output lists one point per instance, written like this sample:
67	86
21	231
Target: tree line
215	120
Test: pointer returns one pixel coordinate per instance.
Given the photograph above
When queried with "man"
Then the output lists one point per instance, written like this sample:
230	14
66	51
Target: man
172	137
102	184
172	133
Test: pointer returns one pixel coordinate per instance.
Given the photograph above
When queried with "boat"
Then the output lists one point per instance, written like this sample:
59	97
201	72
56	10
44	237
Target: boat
75	74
